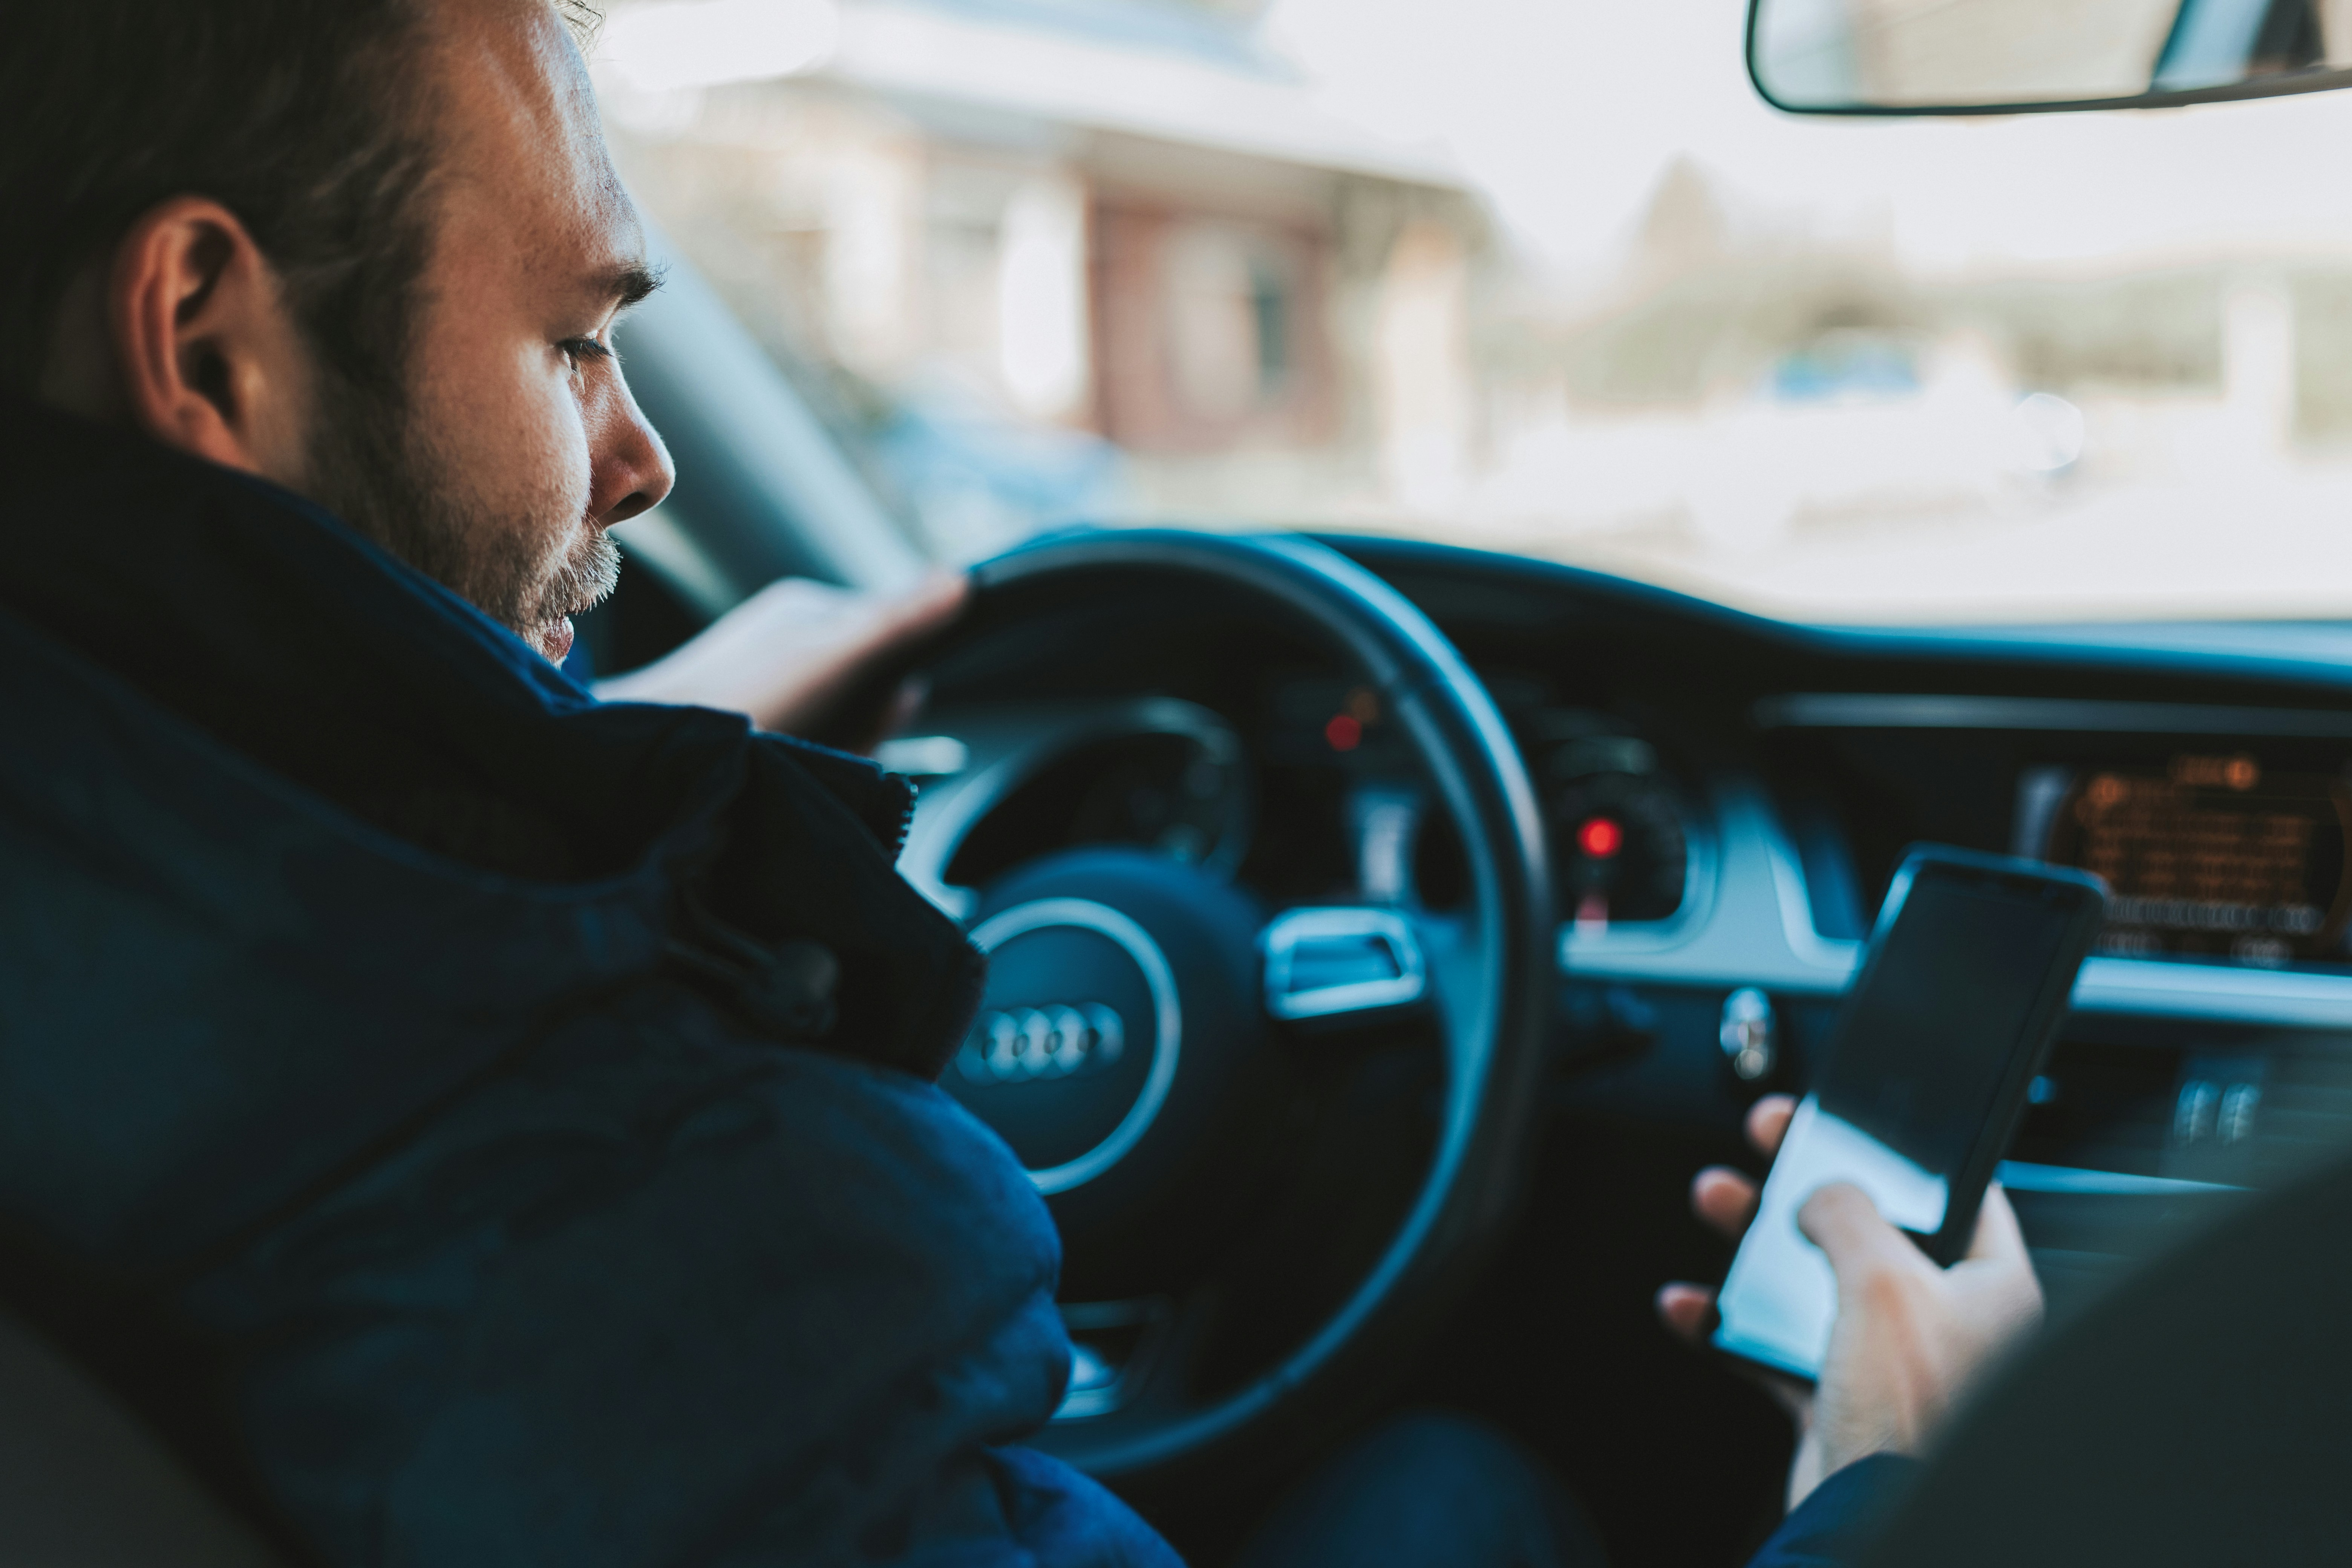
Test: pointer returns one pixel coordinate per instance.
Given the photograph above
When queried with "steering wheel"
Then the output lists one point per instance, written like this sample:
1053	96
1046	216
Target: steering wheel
1140	1006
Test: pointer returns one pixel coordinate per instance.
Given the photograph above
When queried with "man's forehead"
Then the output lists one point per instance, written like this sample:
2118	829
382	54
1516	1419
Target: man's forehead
523	151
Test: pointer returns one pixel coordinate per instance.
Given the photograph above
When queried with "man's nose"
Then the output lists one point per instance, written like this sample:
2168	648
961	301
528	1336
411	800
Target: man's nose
631	468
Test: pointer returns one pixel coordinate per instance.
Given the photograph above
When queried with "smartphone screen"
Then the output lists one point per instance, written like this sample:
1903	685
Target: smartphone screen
1959	995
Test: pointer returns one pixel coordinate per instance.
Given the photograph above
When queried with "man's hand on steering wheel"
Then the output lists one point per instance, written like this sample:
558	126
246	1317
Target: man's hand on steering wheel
808	658
1911	1337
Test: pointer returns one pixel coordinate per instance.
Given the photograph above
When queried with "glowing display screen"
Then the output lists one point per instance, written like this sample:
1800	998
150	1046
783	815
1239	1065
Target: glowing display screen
2208	857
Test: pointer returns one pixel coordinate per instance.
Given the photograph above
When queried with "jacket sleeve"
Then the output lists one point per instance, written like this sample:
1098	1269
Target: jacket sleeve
659	1296
1064	1519
1009	1507
1833	1526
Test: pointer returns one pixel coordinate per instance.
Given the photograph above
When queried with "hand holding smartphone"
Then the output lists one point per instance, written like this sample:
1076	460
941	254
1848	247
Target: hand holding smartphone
1961	991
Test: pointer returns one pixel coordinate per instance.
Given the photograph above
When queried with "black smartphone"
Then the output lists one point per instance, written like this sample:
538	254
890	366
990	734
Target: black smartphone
1961	991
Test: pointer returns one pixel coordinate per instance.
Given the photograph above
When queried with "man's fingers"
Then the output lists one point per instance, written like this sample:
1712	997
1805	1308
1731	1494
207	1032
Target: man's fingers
806	657
1767	1122
1840	1220
1998	1238
928	606
1688	1312
1724	1199
1687	1309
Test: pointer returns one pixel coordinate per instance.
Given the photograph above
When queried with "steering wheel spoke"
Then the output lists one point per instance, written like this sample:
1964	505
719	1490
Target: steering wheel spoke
1342	961
1125	1355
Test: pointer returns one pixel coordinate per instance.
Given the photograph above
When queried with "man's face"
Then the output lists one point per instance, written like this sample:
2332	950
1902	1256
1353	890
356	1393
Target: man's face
517	444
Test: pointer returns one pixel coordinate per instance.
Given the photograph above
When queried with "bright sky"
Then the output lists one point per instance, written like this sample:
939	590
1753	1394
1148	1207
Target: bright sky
1568	110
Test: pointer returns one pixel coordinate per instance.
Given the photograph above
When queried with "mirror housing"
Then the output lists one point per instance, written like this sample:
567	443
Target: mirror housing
2039	57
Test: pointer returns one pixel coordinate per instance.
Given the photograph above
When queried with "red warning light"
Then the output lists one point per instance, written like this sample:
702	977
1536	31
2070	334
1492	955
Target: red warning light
1344	731
1599	837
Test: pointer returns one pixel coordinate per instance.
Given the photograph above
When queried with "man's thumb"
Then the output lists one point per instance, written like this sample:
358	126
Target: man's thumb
1840	1220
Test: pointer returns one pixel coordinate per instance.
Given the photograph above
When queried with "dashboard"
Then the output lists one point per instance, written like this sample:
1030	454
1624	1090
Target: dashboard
2202	771
1726	798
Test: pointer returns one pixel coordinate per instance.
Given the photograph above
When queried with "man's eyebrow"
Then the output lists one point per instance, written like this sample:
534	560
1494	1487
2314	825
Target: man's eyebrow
629	284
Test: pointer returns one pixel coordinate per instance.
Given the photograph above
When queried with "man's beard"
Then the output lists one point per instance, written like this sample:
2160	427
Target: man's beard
371	466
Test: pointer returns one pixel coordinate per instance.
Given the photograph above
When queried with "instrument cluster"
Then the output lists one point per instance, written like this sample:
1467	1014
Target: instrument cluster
1617	819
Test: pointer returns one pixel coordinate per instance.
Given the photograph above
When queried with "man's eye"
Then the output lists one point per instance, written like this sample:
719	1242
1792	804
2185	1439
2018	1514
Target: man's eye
582	348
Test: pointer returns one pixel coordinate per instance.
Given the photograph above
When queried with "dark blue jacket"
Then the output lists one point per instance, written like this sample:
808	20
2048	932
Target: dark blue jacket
478	1125
1838	1520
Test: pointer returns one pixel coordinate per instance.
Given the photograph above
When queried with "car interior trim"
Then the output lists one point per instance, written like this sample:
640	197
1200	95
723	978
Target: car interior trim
1877	710
2026	1176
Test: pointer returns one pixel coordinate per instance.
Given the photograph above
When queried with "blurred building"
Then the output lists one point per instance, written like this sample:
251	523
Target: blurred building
1061	256
1744	386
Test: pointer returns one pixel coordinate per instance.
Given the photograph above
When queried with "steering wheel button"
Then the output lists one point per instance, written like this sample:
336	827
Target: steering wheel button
1323	961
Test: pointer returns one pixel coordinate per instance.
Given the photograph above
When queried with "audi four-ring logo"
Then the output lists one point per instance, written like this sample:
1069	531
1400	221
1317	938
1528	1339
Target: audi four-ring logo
1023	1043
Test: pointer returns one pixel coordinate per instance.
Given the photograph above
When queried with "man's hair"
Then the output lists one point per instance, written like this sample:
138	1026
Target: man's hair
310	119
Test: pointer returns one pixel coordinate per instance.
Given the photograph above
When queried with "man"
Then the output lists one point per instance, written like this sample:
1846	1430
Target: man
474	1123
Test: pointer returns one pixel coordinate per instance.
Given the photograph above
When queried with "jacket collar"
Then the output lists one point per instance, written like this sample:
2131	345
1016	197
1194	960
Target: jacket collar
235	606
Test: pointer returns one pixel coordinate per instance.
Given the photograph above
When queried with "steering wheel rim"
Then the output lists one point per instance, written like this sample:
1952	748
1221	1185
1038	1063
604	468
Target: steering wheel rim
1495	1044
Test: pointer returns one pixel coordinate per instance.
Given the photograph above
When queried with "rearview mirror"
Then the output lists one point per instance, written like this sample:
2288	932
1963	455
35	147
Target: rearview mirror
2017	57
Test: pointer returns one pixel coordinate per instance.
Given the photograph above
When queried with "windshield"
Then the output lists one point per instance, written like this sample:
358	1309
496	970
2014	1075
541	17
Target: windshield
1530	275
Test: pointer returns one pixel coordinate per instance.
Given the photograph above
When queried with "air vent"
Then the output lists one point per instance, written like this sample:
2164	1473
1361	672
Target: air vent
2305	1115
2238	1112
2102	1107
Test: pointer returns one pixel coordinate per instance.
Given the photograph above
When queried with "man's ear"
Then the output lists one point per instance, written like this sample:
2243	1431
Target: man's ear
210	358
